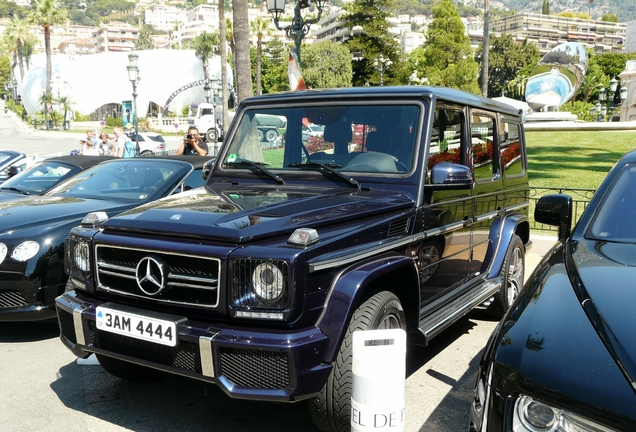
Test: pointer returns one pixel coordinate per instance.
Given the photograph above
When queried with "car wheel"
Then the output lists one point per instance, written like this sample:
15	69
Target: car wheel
512	274
430	254
331	409
260	135
271	135
129	371
210	135
147	153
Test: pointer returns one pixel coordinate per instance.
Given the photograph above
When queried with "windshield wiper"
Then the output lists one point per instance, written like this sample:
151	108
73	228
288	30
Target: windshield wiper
13	189
327	167
260	166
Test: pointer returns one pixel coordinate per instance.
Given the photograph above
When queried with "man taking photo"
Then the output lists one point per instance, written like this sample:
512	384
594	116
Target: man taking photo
193	144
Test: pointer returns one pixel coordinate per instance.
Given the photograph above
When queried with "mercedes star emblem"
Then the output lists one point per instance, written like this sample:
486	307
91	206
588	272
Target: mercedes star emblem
150	275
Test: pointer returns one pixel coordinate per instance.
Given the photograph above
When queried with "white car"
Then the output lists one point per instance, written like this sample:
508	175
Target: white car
149	143
312	130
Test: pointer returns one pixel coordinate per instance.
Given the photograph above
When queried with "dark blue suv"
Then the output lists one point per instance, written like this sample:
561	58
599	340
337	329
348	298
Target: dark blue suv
409	211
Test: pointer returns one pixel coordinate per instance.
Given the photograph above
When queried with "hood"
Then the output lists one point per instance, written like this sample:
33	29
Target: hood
35	211
607	272
242	214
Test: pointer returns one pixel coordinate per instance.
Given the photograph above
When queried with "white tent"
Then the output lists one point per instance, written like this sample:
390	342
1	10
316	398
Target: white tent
92	81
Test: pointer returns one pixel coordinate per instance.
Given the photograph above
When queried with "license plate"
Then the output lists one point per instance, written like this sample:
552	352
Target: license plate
137	326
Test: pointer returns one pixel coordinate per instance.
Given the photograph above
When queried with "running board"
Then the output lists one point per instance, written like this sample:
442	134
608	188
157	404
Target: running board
433	324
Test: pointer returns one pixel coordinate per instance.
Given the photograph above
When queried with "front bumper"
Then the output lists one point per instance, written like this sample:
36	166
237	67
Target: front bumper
247	363
24	301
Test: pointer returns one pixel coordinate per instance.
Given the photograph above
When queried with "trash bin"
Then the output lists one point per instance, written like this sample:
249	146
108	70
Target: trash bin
379	371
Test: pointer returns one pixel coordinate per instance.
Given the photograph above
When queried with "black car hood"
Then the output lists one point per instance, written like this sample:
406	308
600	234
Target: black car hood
243	214
30	212
607	272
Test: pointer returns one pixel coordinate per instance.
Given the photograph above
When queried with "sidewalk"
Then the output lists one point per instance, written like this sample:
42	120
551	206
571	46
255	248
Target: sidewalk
541	244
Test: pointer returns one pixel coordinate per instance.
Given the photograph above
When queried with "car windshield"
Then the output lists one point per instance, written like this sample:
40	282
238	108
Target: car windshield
610	223
38	179
354	138
123	180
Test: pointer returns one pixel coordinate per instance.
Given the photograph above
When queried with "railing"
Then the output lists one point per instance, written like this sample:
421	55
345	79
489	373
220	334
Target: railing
580	199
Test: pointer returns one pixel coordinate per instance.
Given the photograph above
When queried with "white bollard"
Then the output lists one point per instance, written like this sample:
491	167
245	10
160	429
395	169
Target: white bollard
379	369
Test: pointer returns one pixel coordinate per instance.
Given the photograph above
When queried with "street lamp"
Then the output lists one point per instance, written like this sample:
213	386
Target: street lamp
381	65
57	81
206	91
299	28
614	94
133	76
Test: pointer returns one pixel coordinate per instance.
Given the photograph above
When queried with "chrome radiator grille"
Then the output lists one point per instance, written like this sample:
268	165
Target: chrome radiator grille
185	279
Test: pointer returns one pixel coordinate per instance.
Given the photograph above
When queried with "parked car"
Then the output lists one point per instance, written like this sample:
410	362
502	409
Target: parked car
33	228
312	130
149	143
46	174
563	357
258	281
9	158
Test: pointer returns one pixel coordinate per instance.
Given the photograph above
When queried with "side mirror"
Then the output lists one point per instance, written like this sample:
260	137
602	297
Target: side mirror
13	170
447	175
555	210
207	168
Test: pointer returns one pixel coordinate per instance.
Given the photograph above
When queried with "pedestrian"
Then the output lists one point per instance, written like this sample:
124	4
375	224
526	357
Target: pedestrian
89	149
193	144
90	136
120	140
106	147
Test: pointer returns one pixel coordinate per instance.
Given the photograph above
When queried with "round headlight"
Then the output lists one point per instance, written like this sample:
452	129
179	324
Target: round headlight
25	250
267	281
540	416
3	251
81	256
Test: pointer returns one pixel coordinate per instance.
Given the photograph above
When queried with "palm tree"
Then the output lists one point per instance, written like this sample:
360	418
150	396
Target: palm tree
242	38
259	27
16	34
204	45
47	14
230	39
223	52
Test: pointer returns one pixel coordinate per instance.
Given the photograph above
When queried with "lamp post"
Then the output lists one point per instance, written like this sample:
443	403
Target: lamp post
616	98
206	91
15	88
299	27
381	65
133	76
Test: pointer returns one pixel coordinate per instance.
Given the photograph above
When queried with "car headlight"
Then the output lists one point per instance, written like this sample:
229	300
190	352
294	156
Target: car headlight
25	250
268	282
531	415
3	252
81	256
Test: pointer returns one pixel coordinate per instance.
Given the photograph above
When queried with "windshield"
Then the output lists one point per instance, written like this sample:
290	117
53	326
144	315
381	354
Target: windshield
611	221
123	180
354	138
39	179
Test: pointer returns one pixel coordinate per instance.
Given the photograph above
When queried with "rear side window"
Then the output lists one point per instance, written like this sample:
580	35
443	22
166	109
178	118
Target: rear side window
446	137
511	155
482	134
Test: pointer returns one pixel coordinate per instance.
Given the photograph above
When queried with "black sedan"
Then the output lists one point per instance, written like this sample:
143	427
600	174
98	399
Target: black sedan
46	174
33	229
564	356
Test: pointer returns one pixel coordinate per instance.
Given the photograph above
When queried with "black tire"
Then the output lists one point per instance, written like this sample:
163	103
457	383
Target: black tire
129	371
210	135
271	135
331	409
260	135
147	153
512	276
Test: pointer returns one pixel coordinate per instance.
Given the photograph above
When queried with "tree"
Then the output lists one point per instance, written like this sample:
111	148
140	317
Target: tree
374	39
242	38
204	45
446	59
15	36
47	14
485	50
507	59
274	63
259	27
610	17
223	53
230	40
545	10
327	65
144	38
